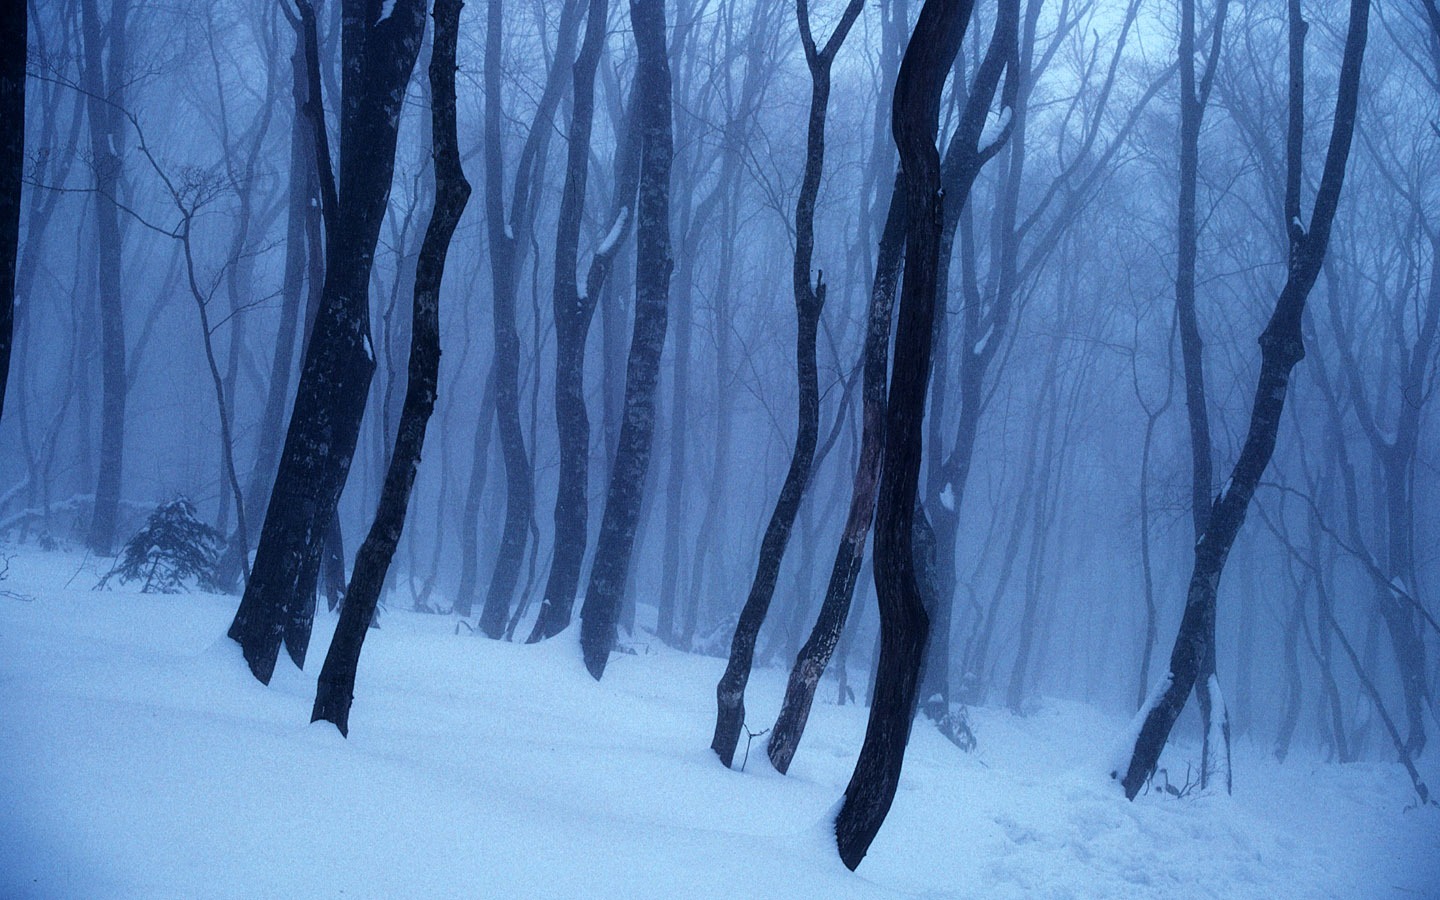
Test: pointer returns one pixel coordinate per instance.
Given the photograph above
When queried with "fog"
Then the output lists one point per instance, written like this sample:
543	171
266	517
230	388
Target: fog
1057	469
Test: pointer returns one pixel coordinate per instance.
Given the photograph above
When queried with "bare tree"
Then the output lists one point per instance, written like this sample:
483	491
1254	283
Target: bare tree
336	687
573	314
14	44
809	303
1281	347
378	55
102	78
904	624
508	233
1193	100
653	265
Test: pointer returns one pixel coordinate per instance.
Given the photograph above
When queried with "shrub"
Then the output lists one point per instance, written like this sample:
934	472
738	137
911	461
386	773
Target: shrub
173	548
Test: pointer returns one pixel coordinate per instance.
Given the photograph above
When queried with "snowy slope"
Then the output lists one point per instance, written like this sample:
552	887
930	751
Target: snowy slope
139	759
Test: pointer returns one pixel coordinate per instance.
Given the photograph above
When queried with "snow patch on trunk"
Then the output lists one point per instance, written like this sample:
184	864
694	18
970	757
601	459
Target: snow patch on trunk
612	237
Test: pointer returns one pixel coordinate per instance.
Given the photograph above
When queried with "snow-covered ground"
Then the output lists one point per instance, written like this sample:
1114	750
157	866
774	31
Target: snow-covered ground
138	758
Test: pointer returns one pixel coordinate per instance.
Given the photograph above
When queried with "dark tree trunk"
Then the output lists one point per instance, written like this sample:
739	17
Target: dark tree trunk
337	677
508	236
653	264
302	208
1281	347
13	47
104	74
574	313
1202	479
815	655
378	57
809	302
903	622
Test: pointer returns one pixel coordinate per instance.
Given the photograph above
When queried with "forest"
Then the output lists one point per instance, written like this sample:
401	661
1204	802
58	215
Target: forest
1038	390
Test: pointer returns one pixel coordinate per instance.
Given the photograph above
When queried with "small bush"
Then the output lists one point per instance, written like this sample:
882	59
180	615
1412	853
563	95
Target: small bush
173	549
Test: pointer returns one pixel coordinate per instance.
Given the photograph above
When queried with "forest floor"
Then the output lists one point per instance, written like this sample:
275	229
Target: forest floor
138	758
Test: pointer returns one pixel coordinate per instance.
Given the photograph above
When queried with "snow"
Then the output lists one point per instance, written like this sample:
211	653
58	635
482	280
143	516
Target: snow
947	497
994	129
984	341
1219	715
1124	745
613	235
140	759
386	9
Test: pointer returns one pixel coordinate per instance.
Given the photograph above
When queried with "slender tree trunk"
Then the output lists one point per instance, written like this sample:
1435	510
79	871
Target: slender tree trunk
1281	347
968	152
378	57
904	625
573	315
815	655
653	264
809	302
508	234
337	677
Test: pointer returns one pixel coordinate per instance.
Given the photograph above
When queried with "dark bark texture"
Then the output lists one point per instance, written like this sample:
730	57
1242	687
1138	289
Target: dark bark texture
337	677
378	56
1281	347
815	655
809	303
13	47
653	265
904	624
574	313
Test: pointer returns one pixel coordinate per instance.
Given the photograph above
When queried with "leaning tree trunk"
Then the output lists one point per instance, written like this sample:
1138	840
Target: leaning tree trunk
13	43
815	655
1281	347
904	625
378	57
337	677
809	302
651	97
301	206
1192	111
103	78
573	315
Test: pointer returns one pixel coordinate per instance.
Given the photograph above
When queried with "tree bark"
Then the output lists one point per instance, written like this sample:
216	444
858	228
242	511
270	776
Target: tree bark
103	77
653	265
574	313
336	688
815	655
508	234
1281	347
13	47
809	303
904	624
378	57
